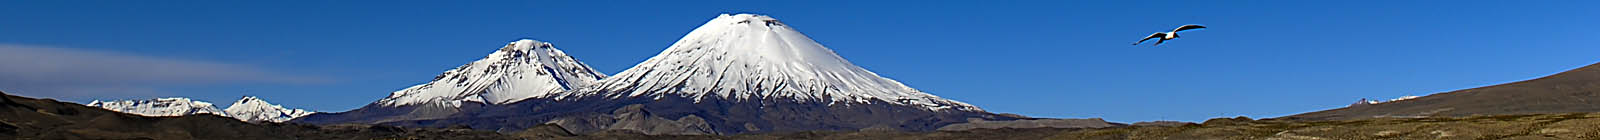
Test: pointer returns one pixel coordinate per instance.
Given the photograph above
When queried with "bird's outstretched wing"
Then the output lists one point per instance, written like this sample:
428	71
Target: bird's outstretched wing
1188	27
1155	35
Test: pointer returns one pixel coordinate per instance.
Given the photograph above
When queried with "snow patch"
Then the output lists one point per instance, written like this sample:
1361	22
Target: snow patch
1407	97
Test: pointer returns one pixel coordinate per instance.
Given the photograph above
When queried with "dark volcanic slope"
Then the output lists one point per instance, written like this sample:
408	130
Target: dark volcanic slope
24	118
1576	90
678	115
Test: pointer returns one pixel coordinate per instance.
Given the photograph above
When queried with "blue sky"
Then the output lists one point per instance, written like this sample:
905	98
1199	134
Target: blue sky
1036	58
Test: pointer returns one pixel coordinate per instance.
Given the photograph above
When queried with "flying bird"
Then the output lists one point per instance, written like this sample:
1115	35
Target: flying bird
1169	35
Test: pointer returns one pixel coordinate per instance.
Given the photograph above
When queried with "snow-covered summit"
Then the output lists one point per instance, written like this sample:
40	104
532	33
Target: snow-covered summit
252	109
172	106
520	70
746	56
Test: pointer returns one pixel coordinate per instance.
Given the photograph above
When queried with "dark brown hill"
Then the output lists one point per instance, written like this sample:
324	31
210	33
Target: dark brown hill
1576	90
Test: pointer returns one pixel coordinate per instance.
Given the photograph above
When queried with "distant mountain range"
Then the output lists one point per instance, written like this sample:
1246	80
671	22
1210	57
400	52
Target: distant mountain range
46	119
1576	90
173	106
248	108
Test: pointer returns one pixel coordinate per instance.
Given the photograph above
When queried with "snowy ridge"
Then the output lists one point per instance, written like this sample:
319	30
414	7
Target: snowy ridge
252	109
174	106
520	70
749	56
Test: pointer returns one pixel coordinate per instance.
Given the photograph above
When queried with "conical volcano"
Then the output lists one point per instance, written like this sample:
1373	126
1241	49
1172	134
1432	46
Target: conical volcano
754	57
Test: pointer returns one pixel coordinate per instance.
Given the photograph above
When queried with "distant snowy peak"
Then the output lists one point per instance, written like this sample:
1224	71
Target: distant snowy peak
749	56
1364	101
520	70
252	109
175	106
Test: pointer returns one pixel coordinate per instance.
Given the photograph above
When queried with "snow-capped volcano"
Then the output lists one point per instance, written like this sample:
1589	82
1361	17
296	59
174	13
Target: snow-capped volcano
520	70
252	109
172	106
747	56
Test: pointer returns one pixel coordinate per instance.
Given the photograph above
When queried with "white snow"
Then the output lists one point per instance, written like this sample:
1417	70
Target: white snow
174	106
749	56
520	70
252	109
